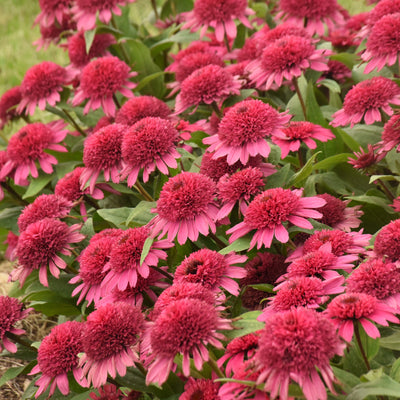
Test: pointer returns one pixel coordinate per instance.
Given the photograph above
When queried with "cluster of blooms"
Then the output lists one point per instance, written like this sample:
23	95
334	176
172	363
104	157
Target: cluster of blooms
163	211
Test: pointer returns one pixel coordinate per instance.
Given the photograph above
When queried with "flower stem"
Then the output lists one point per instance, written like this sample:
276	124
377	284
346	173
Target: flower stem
73	122
90	201
214	366
19	340
116	101
217	240
386	190
162	272
226	40
14	194
360	346
153	3
297	89
142	191
216	110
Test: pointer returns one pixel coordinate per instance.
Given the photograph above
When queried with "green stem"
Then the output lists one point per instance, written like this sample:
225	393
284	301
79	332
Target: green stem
360	346
216	110
214	366
73	122
19	340
386	190
301	159
14	194
116	101
217	240
153	3
142	191
226	40
26	118
162	272
297	89
90	201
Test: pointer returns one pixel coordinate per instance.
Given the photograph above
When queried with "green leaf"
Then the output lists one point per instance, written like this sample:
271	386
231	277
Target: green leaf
37	185
314	113
347	379
240	244
146	248
298	178
83	396
384	178
351	143
391	342
9	218
89	37
13	372
263	287
145	81
374	200
247	324
117	216
332	85
395	370
141	214
280	178
330	162
384	386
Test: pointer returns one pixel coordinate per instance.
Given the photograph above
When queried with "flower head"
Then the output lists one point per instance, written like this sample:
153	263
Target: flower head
387	241
100	80
391	134
12	311
186	207
28	145
270	210
349	308
57	356
209	84
52	11
366	100
219	15
297	132
110	338
293	344
212	270
86	11
38	246
204	389
243	130
124	265
185	326
8	101
286	58
102	152
44	206
365	159
141	107
107	392
42	84
149	143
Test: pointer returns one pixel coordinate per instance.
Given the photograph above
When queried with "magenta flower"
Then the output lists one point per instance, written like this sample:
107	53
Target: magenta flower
28	145
365	159
86	11
185	208
387	243
292	345
391	134
124	265
366	100
297	132
348	309
212	270
12	311
8	101
42	84
110	341
149	143
186	326
38	246
100	80
57	356
270	210
107	392
219	15
52	11
206	388
243	130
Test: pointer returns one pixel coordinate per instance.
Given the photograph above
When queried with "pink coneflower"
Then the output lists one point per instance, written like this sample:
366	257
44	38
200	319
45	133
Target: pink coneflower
76	47
212	270
125	266
86	11
3	160
186	207
38	246
52	11
387	241
341	243
44	206
301	291
183	290
270	209
238	351
297	132
244	129
264	268
148	144
11	242
91	272
367	100
28	145
57	356
365	159
42	84
377	278
107	392
382	48
204	389
12	311
313	15
100	80
8	101
219	15
210	84
186	326
396	204
292	345
141	107
286	58
338	215
385	7
110	340
321	263
102	153
391	134
348	309
239	187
